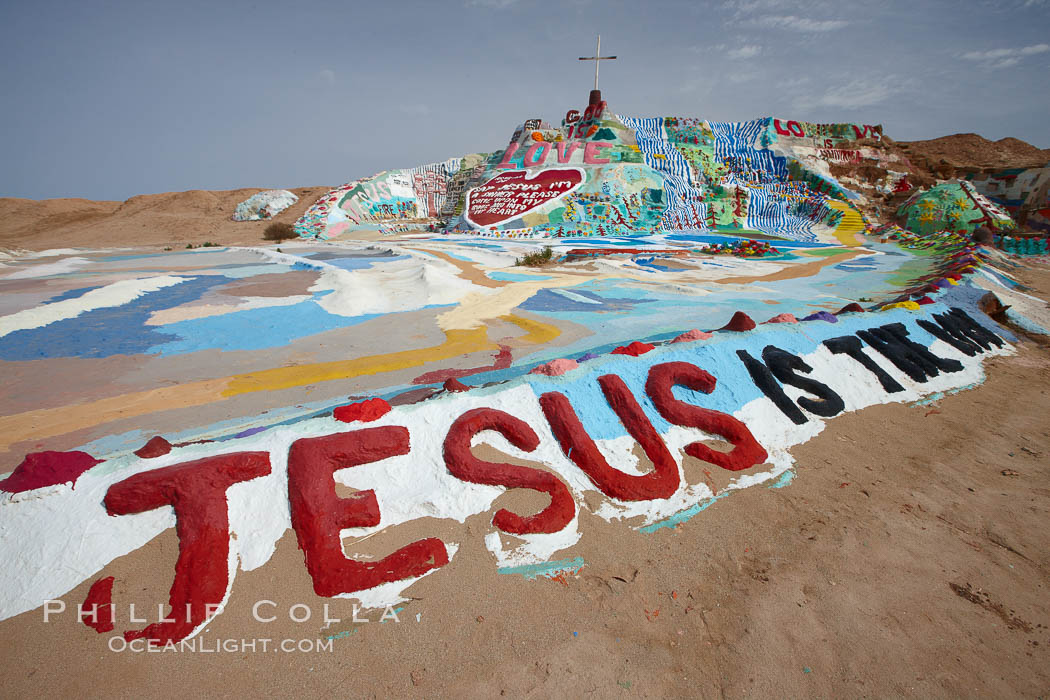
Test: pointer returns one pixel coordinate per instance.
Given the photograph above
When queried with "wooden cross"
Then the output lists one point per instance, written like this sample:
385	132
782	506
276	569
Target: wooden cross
597	57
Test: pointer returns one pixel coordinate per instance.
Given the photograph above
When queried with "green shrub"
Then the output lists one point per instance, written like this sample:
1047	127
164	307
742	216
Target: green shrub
536	259
279	231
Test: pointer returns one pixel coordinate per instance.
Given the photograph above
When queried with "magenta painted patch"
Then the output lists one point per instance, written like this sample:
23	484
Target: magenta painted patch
40	469
509	195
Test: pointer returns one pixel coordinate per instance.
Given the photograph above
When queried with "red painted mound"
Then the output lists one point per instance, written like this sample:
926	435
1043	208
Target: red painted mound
156	447
454	384
365	411
634	349
740	322
40	469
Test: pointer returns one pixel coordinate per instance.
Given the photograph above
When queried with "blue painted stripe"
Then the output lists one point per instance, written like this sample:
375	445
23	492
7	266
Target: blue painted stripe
547	569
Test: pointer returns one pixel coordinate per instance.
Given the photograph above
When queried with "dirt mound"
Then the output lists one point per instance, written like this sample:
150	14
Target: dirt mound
974	152
170	219
193	202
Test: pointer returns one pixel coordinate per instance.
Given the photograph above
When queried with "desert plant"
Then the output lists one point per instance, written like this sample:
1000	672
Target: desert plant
279	231
538	259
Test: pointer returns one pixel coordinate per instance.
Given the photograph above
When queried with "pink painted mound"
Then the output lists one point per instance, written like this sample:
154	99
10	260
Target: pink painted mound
156	447
851	308
40	469
783	318
454	384
739	323
924	301
555	368
694	334
365	411
634	349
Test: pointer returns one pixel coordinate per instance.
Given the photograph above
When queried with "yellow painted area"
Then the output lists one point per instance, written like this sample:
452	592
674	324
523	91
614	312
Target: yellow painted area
910	305
476	308
49	422
852	223
538	333
457	342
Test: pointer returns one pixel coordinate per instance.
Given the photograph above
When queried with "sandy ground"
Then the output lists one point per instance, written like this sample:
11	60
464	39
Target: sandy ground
908	557
173	219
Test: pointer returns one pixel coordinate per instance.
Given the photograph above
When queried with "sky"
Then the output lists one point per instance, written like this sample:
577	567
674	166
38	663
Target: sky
106	100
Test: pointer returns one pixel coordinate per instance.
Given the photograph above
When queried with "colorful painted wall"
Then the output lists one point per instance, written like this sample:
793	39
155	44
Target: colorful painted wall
264	205
393	200
1024	192
952	206
600	174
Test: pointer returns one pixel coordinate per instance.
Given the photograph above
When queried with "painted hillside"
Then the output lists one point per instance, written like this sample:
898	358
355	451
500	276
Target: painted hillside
603	174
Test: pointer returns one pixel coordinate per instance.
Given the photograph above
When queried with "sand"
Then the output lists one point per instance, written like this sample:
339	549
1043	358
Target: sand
173	219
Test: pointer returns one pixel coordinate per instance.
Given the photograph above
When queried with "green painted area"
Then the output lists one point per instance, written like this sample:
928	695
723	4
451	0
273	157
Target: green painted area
952	206
824	252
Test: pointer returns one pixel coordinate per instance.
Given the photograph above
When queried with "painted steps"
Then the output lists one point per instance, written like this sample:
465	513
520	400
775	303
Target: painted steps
852	223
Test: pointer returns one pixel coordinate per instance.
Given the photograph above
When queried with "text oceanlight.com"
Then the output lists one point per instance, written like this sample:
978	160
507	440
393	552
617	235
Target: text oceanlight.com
220	646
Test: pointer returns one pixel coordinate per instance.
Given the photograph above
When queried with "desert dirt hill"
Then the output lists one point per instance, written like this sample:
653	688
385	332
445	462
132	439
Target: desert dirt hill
973	151
173	219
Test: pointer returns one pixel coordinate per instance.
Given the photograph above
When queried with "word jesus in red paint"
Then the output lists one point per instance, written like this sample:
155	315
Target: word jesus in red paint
197	490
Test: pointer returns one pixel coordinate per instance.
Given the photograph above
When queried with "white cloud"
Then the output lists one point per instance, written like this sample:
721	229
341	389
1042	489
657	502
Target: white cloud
750	6
857	93
802	24
491	4
746	51
1006	53
734	50
1005	58
328	75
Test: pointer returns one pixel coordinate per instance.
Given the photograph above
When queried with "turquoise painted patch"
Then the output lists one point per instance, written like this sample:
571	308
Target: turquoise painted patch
254	329
683	515
516	277
547	569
